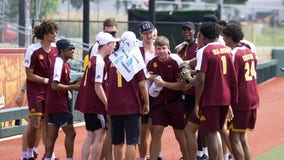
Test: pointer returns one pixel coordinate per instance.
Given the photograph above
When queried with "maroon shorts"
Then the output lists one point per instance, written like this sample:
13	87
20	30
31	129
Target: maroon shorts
193	119
212	118
244	120
171	113
36	107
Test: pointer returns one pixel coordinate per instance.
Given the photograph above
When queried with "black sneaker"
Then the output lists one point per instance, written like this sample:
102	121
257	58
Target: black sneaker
160	158
32	158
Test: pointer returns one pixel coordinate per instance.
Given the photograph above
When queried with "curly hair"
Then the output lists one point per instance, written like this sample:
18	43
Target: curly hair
46	26
234	31
210	30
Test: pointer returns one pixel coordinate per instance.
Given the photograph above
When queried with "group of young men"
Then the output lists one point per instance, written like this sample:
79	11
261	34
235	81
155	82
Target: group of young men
200	87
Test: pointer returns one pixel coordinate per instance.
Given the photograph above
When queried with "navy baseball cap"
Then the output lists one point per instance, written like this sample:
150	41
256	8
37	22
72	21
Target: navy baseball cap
146	26
188	25
63	44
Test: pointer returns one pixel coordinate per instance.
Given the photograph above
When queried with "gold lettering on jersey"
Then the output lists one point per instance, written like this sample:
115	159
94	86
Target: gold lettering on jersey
155	65
247	57
220	51
111	65
40	57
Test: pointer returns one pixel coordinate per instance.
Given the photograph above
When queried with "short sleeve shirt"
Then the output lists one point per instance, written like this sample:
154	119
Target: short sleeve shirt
57	101
40	61
215	60
245	65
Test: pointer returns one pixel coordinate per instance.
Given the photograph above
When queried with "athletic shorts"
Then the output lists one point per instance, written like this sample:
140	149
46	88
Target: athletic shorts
212	118
125	126
60	119
170	113
36	107
243	121
189	104
94	121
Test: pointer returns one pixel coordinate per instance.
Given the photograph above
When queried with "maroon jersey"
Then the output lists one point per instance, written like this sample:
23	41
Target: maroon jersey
87	99
169	71
191	53
245	65
40	61
57	101
215	60
123	97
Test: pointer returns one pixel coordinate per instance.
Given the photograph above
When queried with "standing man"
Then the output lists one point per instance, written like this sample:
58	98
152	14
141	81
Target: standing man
124	107
187	51
58	110
248	99
167	105
216	85
91	98
147	48
38	60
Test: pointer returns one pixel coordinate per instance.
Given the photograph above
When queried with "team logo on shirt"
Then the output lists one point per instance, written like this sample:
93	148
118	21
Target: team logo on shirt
40	57
155	64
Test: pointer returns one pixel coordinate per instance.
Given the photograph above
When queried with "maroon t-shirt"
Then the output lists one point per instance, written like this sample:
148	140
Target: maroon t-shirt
123	97
87	100
245	65
215	60
57	101
40	61
168	70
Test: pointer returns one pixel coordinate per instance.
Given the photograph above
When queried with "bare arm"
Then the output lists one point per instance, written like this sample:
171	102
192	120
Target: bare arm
144	92
62	87
35	78
101	93
198	82
20	99
178	86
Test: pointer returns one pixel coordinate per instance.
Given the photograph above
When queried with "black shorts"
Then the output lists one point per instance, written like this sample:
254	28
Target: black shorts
189	104
126	126
60	119
95	121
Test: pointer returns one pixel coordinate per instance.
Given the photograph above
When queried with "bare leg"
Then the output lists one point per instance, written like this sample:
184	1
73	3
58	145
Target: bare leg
107	146
70	135
190	131
52	134
118	152
155	145
85	152
180	137
143	146
214	146
245	146
130	152
98	144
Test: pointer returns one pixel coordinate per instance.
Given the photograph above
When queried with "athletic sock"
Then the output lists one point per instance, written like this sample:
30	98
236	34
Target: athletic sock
226	156
160	155
199	153
69	159
24	155
144	158
205	150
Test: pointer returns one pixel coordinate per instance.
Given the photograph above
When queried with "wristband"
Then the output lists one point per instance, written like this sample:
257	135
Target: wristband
23	90
46	80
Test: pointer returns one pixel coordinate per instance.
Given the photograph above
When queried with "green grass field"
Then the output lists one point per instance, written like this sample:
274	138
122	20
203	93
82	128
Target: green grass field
274	154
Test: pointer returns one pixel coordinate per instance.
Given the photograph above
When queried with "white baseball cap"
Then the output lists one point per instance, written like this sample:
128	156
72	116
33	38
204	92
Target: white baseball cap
104	38
128	35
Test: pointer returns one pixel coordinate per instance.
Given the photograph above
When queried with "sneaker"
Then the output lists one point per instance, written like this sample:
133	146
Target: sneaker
205	157
231	157
181	158
160	158
32	158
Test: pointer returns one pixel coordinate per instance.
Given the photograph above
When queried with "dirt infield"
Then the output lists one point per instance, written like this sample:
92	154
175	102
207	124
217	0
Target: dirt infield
267	134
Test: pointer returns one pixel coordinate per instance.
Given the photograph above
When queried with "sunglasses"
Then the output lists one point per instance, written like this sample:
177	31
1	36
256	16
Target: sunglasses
113	33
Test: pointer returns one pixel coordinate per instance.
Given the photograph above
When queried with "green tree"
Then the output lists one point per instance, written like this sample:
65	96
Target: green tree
46	8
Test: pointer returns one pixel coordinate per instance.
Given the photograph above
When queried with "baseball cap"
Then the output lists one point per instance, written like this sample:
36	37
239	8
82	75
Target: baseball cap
128	35
63	44
104	38
188	25
146	26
